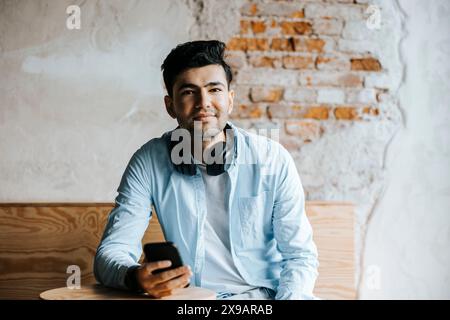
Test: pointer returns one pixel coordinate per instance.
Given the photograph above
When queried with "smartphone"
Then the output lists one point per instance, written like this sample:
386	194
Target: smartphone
163	251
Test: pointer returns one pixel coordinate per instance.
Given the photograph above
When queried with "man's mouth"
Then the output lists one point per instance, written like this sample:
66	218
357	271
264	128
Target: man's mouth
204	116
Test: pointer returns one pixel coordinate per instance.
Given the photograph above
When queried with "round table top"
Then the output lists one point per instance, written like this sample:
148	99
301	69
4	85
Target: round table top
99	292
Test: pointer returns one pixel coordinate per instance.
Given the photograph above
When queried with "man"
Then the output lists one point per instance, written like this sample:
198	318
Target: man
239	224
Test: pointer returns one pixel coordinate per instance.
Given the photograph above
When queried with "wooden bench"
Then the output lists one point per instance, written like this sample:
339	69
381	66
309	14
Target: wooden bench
39	241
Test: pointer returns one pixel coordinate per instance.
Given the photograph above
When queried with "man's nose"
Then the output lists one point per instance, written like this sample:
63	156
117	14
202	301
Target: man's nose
204	100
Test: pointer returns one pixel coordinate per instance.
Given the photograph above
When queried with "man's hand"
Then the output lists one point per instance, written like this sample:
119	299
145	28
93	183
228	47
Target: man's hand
162	284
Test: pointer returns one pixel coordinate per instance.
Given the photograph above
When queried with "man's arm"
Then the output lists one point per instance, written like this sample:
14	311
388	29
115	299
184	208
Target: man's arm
293	233
121	247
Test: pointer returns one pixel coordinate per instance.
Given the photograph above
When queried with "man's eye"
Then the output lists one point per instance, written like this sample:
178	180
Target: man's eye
187	92
216	89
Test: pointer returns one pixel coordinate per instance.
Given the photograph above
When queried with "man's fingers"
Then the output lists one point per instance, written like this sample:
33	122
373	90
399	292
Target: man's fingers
152	266
176	283
161	284
170	274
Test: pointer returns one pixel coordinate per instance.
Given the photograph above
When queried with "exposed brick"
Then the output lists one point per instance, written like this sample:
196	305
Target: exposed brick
280	111
247	111
309	44
272	28
237	44
307	130
258	26
265	61
349	80
361	96
371	111
366	64
346	113
299	95
330	96
280	9
245	27
264	94
318	113
295	27
298	62
241	94
314	60
378	80
333	79
267	77
283	44
330	39
236	59
331	27
248	44
298	14
334	62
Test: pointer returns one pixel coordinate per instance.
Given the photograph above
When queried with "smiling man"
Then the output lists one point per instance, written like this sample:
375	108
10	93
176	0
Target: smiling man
230	200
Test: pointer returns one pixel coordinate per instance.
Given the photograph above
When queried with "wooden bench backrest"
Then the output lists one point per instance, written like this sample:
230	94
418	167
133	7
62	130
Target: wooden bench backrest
39	241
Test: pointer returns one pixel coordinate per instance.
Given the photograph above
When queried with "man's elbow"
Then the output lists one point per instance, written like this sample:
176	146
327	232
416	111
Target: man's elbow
98	267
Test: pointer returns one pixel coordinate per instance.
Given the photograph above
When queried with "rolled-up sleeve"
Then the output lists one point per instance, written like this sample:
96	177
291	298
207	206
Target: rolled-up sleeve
294	236
120	247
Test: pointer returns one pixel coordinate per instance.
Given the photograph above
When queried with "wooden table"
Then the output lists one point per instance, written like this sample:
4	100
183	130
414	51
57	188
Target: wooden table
98	292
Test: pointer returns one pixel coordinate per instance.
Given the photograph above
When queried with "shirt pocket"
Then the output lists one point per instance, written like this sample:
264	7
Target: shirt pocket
255	217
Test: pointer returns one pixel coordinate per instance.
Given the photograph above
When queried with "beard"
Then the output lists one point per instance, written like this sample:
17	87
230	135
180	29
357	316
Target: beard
208	129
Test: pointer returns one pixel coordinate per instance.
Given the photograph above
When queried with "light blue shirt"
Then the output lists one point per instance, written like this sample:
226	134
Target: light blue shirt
270	236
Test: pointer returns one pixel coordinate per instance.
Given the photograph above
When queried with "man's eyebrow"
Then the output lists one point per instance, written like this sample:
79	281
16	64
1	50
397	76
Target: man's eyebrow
214	83
187	85
209	84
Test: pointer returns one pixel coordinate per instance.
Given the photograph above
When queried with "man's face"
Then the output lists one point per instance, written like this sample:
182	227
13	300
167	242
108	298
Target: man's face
201	95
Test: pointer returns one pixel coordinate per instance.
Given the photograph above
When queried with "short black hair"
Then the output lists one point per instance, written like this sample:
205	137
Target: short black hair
193	54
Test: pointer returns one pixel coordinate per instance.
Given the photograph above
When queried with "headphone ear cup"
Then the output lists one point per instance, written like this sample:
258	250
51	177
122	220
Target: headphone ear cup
187	169
215	169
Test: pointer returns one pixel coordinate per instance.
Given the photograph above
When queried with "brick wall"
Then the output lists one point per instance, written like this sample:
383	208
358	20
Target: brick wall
316	71
298	65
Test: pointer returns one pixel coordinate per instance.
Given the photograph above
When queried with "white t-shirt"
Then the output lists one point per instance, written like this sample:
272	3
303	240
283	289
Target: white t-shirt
219	272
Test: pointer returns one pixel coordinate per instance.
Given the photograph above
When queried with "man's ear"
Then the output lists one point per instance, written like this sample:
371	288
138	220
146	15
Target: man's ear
230	101
169	106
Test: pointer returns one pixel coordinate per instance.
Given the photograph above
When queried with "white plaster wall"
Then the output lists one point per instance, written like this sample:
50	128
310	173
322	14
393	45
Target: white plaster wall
75	104
407	252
